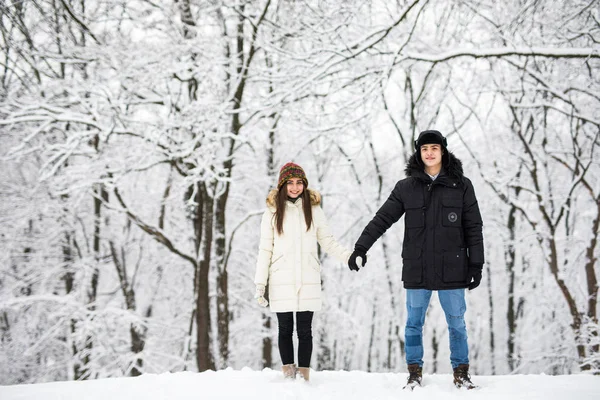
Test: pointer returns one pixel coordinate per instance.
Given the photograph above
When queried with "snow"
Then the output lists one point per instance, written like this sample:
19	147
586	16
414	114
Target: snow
324	385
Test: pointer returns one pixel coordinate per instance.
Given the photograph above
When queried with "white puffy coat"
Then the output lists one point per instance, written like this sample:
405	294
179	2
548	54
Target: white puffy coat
289	262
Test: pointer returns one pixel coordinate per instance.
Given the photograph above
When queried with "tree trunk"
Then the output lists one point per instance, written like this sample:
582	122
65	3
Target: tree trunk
511	315
394	323
372	339
267	342
137	331
592	284
204	356
69	282
491	320
243	59
435	347
223	315
100	194
575	314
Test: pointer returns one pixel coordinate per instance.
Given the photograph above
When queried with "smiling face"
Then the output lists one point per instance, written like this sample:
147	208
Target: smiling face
431	154
295	187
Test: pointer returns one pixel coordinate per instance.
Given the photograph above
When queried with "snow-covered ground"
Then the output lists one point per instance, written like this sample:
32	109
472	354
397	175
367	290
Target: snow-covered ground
247	384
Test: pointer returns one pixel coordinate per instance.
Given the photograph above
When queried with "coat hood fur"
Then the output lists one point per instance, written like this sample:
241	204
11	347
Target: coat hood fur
450	164
315	197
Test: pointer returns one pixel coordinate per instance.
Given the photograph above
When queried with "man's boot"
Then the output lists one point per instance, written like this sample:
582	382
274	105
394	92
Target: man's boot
289	371
415	375
462	379
304	373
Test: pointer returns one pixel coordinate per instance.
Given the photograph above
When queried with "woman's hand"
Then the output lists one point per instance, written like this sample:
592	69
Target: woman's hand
259	295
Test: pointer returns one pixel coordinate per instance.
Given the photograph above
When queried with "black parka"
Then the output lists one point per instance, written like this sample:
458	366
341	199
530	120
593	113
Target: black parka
443	227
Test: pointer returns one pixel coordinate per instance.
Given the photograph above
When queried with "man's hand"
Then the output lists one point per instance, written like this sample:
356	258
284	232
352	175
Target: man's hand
357	260
474	277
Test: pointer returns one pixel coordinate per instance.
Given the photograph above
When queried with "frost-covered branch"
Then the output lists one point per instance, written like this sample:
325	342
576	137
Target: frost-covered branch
548	52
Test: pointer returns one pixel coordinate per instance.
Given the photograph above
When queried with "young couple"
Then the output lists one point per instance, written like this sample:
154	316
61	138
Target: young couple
442	251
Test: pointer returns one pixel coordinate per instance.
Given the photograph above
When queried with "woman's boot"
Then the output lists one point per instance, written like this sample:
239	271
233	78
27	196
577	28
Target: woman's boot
289	371
304	373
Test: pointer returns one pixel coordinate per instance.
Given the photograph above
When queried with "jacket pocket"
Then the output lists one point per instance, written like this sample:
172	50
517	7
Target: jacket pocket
414	210
455	266
452	209
276	263
315	263
412	265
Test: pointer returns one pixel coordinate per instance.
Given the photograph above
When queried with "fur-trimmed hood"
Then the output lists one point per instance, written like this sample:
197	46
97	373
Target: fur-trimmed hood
315	197
450	164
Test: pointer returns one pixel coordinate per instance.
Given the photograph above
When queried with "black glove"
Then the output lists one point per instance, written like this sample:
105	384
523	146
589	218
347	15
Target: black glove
357	253
474	276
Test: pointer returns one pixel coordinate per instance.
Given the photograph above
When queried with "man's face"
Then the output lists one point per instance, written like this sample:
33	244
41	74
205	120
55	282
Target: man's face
431	154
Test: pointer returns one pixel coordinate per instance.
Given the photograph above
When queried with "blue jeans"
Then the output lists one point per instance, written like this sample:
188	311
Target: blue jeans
454	306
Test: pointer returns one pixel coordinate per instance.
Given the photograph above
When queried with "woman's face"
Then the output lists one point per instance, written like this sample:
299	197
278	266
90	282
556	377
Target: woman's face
295	187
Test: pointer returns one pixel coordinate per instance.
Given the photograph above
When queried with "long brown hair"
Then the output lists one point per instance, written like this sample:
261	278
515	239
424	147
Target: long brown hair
280	207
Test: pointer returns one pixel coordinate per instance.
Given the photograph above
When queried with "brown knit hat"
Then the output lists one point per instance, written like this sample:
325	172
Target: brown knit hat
289	171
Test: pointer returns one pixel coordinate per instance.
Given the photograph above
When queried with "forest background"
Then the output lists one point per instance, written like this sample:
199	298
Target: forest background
139	138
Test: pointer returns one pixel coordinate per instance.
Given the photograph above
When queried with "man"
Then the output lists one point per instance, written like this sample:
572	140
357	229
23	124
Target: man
442	249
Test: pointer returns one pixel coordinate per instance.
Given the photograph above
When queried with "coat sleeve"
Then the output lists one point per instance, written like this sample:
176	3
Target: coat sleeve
326	239
389	213
265	249
473	226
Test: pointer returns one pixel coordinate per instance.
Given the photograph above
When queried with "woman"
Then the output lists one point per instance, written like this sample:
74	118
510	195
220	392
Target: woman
287	259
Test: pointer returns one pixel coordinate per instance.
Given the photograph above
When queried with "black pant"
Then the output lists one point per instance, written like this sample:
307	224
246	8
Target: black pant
286	344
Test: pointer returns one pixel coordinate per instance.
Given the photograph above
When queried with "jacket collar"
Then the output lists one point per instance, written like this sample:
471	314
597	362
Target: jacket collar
450	173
